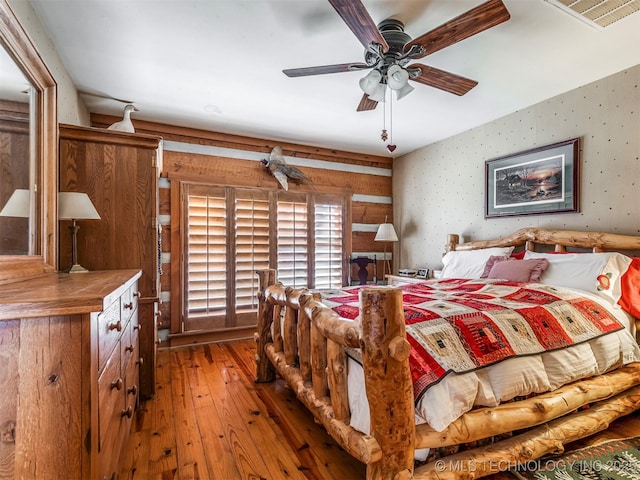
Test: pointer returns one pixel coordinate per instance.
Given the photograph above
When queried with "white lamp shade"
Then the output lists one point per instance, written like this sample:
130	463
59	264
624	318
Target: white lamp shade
17	205
397	77
386	233
380	93
370	82
76	206
402	92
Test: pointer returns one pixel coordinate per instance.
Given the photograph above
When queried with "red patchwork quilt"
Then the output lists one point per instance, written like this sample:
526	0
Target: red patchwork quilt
458	325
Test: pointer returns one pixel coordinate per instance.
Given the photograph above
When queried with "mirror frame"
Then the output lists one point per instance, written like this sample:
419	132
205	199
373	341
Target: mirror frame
20	47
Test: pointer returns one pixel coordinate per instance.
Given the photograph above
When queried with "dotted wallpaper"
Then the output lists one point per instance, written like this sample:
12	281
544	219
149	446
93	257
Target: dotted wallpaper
439	189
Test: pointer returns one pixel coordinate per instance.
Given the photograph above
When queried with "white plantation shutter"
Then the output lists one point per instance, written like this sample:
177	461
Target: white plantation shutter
328	245
293	243
206	252
251	246
233	232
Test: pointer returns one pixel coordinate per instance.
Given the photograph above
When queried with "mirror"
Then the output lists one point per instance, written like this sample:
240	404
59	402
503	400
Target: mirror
29	160
18	228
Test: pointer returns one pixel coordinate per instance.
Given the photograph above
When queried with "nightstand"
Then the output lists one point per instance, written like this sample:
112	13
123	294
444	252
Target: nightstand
402	280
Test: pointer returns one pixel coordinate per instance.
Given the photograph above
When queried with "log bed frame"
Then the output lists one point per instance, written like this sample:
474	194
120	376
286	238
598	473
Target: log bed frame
307	349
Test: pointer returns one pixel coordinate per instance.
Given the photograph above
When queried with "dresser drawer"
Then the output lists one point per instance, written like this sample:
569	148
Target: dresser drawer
131	381
110	456
110	327
111	398
129	302
126	346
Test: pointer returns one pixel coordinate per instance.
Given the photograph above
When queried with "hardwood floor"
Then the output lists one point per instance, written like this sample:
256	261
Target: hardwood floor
209	420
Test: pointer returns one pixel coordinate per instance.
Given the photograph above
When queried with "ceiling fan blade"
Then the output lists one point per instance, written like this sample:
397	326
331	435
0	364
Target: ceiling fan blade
359	21
366	104
321	70
449	82
476	20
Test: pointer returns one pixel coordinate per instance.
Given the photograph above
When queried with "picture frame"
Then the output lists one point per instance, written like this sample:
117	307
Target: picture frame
422	273
539	181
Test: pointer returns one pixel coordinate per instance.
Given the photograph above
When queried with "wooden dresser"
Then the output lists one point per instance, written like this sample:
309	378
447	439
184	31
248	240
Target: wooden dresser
119	171
69	360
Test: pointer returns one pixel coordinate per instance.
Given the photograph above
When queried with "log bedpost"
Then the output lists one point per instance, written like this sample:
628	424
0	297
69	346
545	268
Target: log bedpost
385	353
265	371
452	241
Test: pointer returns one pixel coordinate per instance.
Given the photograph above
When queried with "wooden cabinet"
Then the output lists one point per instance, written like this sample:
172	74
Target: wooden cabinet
120	173
68	374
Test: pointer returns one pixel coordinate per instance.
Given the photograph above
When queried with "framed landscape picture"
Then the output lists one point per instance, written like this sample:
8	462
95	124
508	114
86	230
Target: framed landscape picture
533	182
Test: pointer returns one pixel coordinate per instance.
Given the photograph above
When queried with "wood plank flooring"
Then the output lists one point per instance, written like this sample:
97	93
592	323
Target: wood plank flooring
209	421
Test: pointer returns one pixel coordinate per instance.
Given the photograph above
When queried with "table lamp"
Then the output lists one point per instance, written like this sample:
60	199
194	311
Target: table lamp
386	233
75	206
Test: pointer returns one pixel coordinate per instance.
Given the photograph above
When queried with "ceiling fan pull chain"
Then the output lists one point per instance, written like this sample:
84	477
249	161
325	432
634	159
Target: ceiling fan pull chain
390	118
391	147
384	134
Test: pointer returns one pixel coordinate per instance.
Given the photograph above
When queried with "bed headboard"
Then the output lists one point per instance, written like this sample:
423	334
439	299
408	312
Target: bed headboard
531	238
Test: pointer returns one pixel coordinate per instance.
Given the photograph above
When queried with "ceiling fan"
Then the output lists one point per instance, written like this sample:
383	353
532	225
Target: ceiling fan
389	51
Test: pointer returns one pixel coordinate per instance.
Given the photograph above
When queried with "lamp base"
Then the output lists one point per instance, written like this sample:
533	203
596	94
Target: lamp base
75	268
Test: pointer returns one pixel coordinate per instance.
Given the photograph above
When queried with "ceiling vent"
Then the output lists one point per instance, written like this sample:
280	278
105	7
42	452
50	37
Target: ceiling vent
598	13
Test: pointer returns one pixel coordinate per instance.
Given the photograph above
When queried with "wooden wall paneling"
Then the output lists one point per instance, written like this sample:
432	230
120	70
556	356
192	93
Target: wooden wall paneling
177	284
164	195
204	137
364	242
366	212
237	172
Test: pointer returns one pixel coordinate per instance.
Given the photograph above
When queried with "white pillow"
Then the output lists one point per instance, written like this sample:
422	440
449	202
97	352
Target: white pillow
572	270
469	263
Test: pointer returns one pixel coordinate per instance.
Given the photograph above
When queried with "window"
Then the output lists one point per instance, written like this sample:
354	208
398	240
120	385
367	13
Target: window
293	243
251	247
328	245
206	253
232	232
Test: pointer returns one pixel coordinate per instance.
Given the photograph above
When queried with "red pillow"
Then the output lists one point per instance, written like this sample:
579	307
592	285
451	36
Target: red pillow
515	270
620	281
518	255
630	286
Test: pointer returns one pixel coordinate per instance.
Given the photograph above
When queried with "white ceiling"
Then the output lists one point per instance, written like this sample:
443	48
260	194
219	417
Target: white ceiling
217	65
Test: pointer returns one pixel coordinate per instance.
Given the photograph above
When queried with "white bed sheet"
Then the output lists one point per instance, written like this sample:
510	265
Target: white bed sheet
456	394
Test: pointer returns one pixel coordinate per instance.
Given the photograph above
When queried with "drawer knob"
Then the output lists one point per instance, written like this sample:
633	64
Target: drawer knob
117	384
136	294
128	306
127	413
133	390
140	361
138	327
116	326
114	476
129	349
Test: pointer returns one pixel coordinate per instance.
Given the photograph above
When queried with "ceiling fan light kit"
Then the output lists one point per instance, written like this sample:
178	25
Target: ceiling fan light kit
389	51
370	82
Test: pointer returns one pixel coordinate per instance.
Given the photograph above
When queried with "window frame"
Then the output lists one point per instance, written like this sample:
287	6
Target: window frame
179	287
